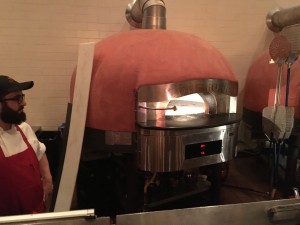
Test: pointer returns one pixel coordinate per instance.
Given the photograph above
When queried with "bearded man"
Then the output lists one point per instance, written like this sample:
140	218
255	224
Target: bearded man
25	177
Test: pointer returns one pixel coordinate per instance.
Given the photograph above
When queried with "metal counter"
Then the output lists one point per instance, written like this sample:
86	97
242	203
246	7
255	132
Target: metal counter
279	212
285	212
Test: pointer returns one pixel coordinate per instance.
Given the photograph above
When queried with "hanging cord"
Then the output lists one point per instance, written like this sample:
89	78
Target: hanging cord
290	60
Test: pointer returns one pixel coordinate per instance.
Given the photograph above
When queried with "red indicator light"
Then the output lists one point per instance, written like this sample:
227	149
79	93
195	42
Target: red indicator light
202	153
202	146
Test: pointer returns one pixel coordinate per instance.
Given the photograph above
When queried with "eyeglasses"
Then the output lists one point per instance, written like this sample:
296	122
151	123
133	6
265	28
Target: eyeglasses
18	98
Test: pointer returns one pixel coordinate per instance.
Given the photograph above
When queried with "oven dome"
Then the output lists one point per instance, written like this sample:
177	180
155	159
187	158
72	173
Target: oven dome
125	61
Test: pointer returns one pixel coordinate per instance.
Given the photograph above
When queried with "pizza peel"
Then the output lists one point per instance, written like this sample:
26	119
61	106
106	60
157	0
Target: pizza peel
277	122
274	117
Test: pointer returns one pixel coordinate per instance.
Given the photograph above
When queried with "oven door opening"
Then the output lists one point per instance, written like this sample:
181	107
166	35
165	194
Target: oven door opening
186	107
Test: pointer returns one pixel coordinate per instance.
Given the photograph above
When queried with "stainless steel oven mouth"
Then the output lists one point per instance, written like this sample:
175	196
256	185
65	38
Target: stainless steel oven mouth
186	124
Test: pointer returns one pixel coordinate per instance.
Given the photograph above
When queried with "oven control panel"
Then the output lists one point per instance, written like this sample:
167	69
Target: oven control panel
203	149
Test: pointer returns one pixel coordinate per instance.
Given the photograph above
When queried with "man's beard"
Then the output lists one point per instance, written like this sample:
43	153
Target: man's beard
10	116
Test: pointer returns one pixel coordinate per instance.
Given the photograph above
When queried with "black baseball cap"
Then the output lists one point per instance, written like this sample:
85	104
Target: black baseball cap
7	84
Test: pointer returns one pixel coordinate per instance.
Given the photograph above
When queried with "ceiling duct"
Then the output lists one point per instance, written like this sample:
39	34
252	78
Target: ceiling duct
147	14
279	18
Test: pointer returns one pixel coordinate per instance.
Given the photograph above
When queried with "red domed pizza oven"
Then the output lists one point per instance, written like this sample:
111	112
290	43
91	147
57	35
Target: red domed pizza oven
138	81
164	103
127	61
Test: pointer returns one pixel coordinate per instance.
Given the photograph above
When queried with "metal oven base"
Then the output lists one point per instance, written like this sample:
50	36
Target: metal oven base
175	148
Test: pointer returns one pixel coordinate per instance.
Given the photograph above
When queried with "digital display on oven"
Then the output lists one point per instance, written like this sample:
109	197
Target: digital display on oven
203	149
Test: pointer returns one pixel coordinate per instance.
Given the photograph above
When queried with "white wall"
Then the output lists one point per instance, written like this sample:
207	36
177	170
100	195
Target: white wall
39	40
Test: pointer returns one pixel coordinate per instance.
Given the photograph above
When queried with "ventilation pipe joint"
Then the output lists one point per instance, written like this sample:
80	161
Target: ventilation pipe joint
277	19
146	14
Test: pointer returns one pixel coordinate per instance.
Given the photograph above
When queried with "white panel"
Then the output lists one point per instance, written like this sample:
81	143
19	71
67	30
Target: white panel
77	125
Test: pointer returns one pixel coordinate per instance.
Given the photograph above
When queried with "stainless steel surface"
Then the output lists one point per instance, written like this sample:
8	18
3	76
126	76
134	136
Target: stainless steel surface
164	150
79	217
277	19
147	14
219	96
163	92
235	214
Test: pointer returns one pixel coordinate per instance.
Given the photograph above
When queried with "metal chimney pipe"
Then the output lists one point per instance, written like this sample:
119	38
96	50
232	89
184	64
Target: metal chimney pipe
146	14
279	18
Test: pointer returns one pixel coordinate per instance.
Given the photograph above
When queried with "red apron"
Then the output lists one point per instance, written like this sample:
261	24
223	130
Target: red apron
21	189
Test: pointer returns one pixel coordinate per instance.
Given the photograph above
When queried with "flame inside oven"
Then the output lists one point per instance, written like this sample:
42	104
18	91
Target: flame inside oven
185	107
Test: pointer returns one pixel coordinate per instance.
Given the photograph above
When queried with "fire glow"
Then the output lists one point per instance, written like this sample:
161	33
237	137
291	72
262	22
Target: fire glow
186	105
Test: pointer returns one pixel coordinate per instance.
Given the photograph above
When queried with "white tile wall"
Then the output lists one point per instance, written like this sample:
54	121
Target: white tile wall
39	40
